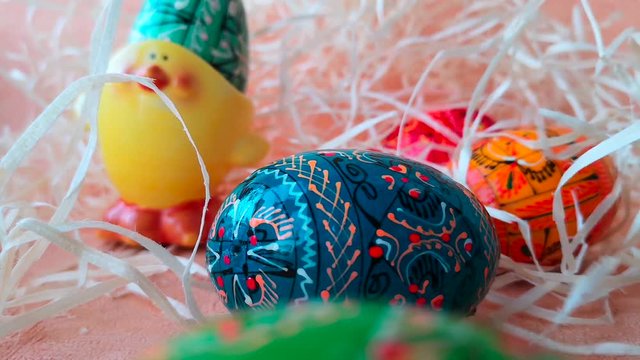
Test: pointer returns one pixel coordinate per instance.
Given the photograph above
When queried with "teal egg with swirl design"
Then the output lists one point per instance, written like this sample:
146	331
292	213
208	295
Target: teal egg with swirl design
348	224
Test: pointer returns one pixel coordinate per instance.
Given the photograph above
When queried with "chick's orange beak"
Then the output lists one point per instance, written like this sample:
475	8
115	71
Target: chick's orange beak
159	76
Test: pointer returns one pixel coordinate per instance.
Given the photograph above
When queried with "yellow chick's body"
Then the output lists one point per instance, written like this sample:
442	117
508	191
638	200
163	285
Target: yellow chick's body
145	149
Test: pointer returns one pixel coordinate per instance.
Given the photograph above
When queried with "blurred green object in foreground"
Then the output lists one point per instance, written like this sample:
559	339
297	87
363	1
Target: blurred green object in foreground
337	331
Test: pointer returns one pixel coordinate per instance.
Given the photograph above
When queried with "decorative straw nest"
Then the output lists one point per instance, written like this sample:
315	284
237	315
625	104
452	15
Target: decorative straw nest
337	73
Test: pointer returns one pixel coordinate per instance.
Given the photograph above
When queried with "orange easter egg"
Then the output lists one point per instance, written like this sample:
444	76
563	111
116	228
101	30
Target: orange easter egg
506	174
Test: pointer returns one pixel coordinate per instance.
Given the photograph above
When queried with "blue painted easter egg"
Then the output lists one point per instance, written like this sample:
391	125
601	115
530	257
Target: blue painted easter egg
349	224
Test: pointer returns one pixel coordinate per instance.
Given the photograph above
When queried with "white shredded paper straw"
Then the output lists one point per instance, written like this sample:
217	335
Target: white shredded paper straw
334	73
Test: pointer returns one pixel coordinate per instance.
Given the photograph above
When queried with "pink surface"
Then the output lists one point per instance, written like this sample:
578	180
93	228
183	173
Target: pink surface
120	327
107	328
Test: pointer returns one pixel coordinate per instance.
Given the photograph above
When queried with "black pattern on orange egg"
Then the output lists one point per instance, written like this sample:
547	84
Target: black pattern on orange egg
350	224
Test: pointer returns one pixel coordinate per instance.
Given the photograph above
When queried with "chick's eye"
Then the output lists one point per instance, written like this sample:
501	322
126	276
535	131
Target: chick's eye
165	57
152	56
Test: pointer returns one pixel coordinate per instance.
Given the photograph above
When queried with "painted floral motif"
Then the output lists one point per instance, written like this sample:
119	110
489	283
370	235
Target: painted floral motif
507	174
346	224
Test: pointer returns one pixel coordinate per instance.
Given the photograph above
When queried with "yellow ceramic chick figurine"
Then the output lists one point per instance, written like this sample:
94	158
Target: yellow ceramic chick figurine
145	149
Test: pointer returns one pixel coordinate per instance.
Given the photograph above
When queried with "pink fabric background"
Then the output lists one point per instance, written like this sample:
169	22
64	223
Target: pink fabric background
120	327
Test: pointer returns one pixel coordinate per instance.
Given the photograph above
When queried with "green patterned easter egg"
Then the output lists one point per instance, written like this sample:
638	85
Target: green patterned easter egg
216	30
358	331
